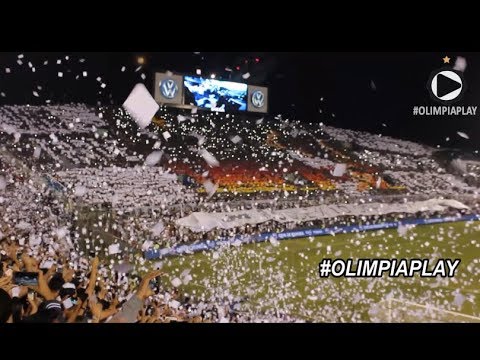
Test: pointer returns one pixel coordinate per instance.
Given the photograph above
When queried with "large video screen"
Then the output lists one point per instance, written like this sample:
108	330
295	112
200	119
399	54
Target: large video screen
214	94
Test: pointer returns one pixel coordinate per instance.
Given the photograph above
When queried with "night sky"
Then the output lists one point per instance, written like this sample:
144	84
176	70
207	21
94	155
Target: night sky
297	83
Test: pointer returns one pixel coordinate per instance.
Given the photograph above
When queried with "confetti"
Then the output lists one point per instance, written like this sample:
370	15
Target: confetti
274	241
158	229
141	106
3	183
80	190
209	158
123	267
339	170
114	249
9	129
210	188
166	135
54	138
176	282
153	158
460	64
147	244
37	151
236	139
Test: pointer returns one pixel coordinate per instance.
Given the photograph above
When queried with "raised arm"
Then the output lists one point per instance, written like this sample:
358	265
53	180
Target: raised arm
32	265
93	277
130	309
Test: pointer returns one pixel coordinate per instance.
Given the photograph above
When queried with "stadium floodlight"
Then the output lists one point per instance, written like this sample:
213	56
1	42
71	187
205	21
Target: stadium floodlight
212	76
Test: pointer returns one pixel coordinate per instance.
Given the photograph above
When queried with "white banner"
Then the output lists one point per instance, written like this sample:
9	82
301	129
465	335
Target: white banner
201	221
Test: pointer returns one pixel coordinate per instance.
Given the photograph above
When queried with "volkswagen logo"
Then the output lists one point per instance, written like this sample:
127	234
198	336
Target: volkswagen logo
258	99
168	88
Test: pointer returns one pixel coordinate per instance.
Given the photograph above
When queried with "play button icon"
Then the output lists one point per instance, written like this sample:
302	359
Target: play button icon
446	86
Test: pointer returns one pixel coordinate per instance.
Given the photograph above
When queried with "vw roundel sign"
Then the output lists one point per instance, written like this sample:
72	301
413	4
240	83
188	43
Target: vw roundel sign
258	99
168	88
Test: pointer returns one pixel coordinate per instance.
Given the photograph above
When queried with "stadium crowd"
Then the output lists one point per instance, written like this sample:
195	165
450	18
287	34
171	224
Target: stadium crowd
83	193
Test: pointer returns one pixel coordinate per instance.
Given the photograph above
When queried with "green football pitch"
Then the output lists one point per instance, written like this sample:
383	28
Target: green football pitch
282	277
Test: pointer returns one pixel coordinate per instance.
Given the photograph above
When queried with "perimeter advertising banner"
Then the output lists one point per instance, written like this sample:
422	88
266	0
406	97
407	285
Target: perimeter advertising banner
244	239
